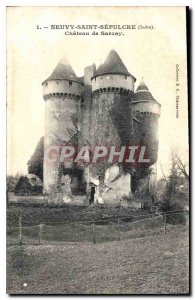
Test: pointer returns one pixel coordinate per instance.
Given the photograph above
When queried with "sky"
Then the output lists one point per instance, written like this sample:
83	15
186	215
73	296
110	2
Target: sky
33	53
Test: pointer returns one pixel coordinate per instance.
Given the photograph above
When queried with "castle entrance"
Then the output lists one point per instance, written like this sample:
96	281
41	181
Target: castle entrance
92	194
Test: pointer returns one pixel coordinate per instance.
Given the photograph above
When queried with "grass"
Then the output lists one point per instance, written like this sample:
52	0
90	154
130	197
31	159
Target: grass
137	257
79	232
48	214
156	264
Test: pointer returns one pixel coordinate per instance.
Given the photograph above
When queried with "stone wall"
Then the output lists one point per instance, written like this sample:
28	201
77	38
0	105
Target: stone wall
98	112
85	116
113	80
61	125
146	107
62	86
146	134
111	124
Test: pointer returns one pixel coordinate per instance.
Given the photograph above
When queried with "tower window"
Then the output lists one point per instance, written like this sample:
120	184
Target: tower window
70	83
125	77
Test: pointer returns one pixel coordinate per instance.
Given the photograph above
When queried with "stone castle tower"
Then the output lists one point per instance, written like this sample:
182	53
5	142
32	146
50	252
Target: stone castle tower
62	93
99	108
146	111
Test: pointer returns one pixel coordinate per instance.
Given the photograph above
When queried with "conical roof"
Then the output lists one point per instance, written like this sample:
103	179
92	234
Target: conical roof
142	93
63	71
112	65
142	86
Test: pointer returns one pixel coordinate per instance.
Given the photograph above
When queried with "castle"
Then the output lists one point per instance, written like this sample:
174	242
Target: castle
100	108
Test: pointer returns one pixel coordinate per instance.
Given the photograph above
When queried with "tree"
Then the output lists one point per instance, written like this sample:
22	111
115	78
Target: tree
175	198
181	167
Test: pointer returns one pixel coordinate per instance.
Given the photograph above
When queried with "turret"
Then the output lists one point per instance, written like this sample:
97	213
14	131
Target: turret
112	91
146	113
62	82
143	101
111	119
62	92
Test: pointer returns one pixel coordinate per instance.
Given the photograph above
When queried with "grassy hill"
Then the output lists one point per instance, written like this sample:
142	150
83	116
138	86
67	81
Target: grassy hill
155	264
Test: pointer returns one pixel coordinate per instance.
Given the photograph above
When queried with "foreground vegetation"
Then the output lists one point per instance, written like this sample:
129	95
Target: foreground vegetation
147	265
56	214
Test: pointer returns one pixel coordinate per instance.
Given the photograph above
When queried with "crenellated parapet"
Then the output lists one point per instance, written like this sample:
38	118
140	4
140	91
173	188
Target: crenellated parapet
140	114
63	96
114	90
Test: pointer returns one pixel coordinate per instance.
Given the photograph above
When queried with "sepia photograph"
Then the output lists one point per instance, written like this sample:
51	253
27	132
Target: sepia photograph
97	184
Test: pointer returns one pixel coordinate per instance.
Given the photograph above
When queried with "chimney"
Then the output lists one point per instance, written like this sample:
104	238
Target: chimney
89	73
